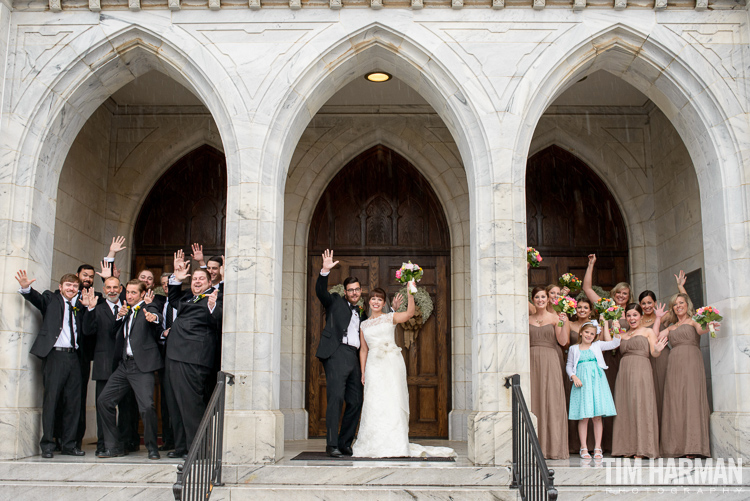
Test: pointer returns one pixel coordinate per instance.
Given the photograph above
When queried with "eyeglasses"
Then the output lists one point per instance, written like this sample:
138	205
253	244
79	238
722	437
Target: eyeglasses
358	289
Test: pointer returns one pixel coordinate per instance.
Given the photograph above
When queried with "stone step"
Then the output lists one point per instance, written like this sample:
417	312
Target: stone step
92	471
85	491
361	493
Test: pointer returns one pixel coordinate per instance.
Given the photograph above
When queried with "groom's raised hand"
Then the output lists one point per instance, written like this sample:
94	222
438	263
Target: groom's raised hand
328	262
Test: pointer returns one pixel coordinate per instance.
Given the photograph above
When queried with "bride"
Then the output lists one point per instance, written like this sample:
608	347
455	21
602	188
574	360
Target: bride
384	426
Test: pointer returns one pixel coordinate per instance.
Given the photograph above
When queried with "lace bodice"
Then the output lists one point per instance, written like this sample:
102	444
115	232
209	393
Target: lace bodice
380	335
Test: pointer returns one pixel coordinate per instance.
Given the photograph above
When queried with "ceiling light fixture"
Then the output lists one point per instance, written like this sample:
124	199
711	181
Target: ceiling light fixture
378	76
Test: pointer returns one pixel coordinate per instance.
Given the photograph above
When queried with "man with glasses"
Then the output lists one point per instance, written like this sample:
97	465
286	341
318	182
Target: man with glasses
338	351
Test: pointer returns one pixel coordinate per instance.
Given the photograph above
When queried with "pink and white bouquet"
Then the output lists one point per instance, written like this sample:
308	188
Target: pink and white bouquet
614	313
570	281
706	316
409	272
603	304
533	257
565	305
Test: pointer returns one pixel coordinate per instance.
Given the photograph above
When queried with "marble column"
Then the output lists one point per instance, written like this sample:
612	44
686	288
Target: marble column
254	425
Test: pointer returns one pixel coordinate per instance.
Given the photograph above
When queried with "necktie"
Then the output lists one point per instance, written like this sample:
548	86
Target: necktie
70	325
127	335
114	310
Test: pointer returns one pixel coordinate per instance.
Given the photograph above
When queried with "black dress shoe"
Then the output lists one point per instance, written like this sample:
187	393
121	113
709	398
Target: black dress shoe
167	447
47	454
334	452
58	447
73	452
346	451
176	454
154	454
132	447
110	453
98	451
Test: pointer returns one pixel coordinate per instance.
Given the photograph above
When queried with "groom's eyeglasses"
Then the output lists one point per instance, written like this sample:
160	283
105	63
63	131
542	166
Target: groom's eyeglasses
358	289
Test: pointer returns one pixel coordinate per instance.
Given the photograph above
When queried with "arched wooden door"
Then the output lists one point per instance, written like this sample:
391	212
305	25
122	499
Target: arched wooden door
570	213
378	212
187	205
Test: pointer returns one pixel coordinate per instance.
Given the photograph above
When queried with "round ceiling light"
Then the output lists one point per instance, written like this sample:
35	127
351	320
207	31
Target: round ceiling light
378	76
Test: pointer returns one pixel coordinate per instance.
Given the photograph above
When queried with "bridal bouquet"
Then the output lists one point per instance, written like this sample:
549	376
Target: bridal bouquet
706	316
570	281
533	257
409	272
565	305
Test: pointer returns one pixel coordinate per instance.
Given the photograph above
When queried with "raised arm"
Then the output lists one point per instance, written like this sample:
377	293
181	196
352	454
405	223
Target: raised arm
402	317
197	254
681	279
588	286
657	345
563	333
321	285
605	329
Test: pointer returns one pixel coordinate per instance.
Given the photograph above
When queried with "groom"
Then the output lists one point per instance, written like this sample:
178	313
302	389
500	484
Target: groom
338	351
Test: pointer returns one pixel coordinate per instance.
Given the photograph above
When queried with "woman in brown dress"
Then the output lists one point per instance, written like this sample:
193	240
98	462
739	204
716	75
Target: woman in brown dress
547	393
685	412
584	312
636	426
647	300
621	294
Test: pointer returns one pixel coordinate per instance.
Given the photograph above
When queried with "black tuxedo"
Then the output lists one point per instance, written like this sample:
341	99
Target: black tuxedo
341	364
61	370
136	372
191	348
98	326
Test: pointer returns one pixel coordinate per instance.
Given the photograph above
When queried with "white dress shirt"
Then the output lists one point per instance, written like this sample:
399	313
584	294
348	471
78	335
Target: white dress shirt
352	332
64	339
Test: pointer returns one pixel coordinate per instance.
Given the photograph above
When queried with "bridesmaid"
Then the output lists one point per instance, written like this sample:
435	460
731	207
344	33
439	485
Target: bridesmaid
685	412
647	300
547	393
636	427
584	312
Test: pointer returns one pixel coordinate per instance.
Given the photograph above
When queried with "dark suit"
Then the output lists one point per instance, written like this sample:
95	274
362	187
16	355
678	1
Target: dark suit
87	355
98	326
208	389
191	348
167	429
341	364
136	372
61	370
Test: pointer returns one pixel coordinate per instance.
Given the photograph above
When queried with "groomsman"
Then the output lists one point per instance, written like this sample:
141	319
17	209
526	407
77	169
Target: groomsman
58	345
137	358
98	326
85	274
168	315
214	265
191	347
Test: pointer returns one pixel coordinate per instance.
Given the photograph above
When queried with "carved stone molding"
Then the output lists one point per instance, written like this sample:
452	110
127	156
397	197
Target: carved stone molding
660	4
55	5
334	4
457	4
620	4
295	4
579	4
134	5
95	6
498	4
376	4
253	4
539	4
175	4
701	4
417	4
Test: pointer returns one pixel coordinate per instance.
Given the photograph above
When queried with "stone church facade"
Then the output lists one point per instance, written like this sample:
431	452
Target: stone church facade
99	100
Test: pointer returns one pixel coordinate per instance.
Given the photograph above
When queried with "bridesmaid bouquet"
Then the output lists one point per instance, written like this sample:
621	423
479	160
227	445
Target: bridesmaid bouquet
570	281
409	273
565	305
706	316
614	313
603	304
533	257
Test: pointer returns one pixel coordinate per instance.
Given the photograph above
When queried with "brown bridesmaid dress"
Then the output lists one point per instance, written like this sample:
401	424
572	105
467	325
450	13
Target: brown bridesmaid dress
612	359
685	414
547	393
636	427
659	368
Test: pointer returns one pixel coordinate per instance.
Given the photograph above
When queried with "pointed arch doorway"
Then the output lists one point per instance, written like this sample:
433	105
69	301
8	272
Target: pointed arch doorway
378	212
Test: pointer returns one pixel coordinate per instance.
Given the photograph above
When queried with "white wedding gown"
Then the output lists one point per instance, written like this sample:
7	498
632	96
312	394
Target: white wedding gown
384	425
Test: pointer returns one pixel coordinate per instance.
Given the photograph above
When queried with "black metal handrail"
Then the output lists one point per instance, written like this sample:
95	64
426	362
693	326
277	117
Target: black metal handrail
201	471
531	476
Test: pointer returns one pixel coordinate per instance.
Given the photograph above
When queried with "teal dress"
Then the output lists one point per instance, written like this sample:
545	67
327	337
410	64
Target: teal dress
594	398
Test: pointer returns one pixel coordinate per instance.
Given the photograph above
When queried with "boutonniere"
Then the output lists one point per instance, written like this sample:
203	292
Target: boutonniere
135	309
361	309
76	309
199	297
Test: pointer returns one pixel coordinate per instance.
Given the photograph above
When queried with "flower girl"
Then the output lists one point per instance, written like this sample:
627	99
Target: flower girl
590	397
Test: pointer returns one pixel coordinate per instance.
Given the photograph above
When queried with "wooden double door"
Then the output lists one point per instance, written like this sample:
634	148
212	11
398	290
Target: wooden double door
376	214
